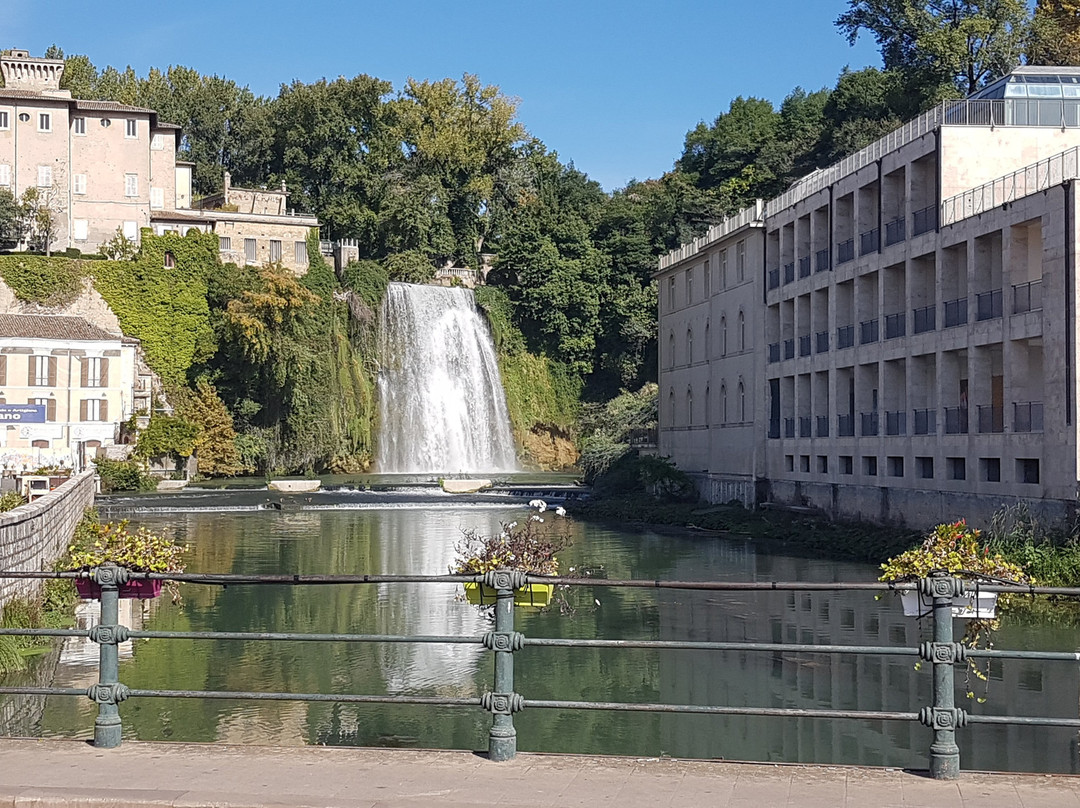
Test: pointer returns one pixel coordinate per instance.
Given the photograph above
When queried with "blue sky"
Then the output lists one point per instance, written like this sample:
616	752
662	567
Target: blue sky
611	86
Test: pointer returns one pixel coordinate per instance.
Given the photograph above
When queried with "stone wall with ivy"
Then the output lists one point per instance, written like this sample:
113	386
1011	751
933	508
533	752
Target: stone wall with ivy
33	536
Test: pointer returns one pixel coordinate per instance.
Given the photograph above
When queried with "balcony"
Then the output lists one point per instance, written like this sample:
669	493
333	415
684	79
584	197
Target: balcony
823	426
895	325
821	261
789	272
845	336
822	338
789	349
988	305
1028	416
805	430
845	251
1027	296
804	267
956	312
845	426
896	422
774	278
925	422
804	345
956	420
774	352
789	427
924	319
870	241
923	221
895	231
868	424
991	420
868	332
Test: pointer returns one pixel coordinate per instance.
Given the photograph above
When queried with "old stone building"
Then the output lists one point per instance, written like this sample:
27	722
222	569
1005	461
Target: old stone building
101	167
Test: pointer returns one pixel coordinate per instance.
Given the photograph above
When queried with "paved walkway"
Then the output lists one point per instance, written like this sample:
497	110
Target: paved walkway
72	773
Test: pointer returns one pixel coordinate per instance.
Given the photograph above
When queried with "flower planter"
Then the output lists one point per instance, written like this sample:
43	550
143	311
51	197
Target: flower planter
528	595
141	588
974	605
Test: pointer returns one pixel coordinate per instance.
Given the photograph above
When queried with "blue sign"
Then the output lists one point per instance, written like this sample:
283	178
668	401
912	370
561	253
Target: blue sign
22	413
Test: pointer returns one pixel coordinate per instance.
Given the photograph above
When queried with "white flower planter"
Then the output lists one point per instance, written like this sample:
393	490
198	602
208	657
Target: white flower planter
980	606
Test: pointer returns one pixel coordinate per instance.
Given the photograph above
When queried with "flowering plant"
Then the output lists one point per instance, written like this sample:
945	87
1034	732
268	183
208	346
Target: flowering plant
95	544
529	547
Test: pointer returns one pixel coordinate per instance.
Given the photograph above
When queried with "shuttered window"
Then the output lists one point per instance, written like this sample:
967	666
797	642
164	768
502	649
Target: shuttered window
95	372
42	371
49	404
3	370
93	409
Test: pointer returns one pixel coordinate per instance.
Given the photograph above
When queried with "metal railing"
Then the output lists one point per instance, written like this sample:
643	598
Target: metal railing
956	312
925	319
868	331
774	352
774	279
924	220
895	231
1028	416
895	422
991	419
845	336
823	426
870	241
935	594
845	425
804	345
956	420
789	272
895	325
804	267
789	427
822	342
789	348
988	305
868	426
925	422
805	426
822	261
1027	296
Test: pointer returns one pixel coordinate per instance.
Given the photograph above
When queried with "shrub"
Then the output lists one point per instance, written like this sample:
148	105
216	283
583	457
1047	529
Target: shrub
123	475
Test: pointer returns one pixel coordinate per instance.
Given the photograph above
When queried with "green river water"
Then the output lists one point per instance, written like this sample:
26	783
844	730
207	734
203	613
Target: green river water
414	532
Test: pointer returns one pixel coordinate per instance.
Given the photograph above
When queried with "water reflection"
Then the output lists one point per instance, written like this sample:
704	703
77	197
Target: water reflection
415	540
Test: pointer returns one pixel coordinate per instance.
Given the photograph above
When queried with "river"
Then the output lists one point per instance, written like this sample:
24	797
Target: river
415	532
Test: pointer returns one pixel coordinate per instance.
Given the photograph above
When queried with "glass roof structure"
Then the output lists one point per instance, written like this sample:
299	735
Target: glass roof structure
1034	82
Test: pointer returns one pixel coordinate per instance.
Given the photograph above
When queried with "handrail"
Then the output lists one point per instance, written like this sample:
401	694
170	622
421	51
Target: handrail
940	590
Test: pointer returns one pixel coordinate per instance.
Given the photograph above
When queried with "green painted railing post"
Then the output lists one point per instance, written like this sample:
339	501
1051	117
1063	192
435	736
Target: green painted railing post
503	702
943	717
108	692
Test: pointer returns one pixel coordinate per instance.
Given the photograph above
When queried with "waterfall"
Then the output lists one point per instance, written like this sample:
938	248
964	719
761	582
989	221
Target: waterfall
441	403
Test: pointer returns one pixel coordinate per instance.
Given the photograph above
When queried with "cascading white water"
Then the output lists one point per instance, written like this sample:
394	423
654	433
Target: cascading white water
441	403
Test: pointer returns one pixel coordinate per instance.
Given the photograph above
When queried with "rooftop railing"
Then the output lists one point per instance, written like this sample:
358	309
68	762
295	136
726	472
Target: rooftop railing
936	594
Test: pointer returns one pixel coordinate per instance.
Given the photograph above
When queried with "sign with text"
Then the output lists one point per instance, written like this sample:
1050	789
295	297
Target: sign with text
22	413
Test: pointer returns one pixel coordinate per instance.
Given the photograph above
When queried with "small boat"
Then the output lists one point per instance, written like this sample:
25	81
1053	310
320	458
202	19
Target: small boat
294	486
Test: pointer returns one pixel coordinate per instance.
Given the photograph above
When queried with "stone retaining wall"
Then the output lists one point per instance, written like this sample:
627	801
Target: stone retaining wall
33	536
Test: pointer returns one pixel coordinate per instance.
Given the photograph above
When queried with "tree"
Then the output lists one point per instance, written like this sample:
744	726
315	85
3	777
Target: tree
11	224
967	42
40	211
1055	33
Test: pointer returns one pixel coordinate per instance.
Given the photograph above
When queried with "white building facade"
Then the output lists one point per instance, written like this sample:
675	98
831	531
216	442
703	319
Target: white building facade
913	310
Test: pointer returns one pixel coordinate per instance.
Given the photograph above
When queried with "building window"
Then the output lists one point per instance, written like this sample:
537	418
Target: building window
723	404
93	409
131	185
823	464
79	229
78	126
42	371
300	251
708	278
131	230
742	403
689	346
44	176
49	404
39	444
170	260
157	198
671	293
95	371
742	332
789	462
957	468
991	469
250	247
723	336
870	465
804	463
275	251
689	286
723	269
1027	470
225	243
689	406
740	260
157	142
131	128
896	466
106	123
708	397
44	122
924	468
24	117
5	174
5	119
846	465
78	183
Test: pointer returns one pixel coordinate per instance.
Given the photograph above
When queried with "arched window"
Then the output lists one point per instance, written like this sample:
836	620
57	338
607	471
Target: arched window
742	332
707	410
671	405
742	402
671	349
708	345
723	403
723	336
689	346
689	406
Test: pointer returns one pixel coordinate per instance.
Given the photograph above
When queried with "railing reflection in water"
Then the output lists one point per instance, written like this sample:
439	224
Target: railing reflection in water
936	593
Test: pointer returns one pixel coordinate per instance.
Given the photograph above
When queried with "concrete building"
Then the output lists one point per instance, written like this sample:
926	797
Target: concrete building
88	381
100	167
911	313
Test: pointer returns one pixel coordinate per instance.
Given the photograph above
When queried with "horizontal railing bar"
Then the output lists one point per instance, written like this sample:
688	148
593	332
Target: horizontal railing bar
791	648
44	632
294	637
1023	720
248	695
43	691
706	709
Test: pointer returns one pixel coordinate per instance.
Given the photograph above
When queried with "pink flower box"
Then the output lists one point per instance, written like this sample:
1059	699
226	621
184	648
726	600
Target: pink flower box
141	588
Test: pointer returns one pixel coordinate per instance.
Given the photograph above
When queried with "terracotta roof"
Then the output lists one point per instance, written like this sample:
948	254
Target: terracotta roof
110	106
6	92
48	326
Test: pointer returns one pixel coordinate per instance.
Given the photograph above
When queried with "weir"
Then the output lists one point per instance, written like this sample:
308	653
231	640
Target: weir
442	409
